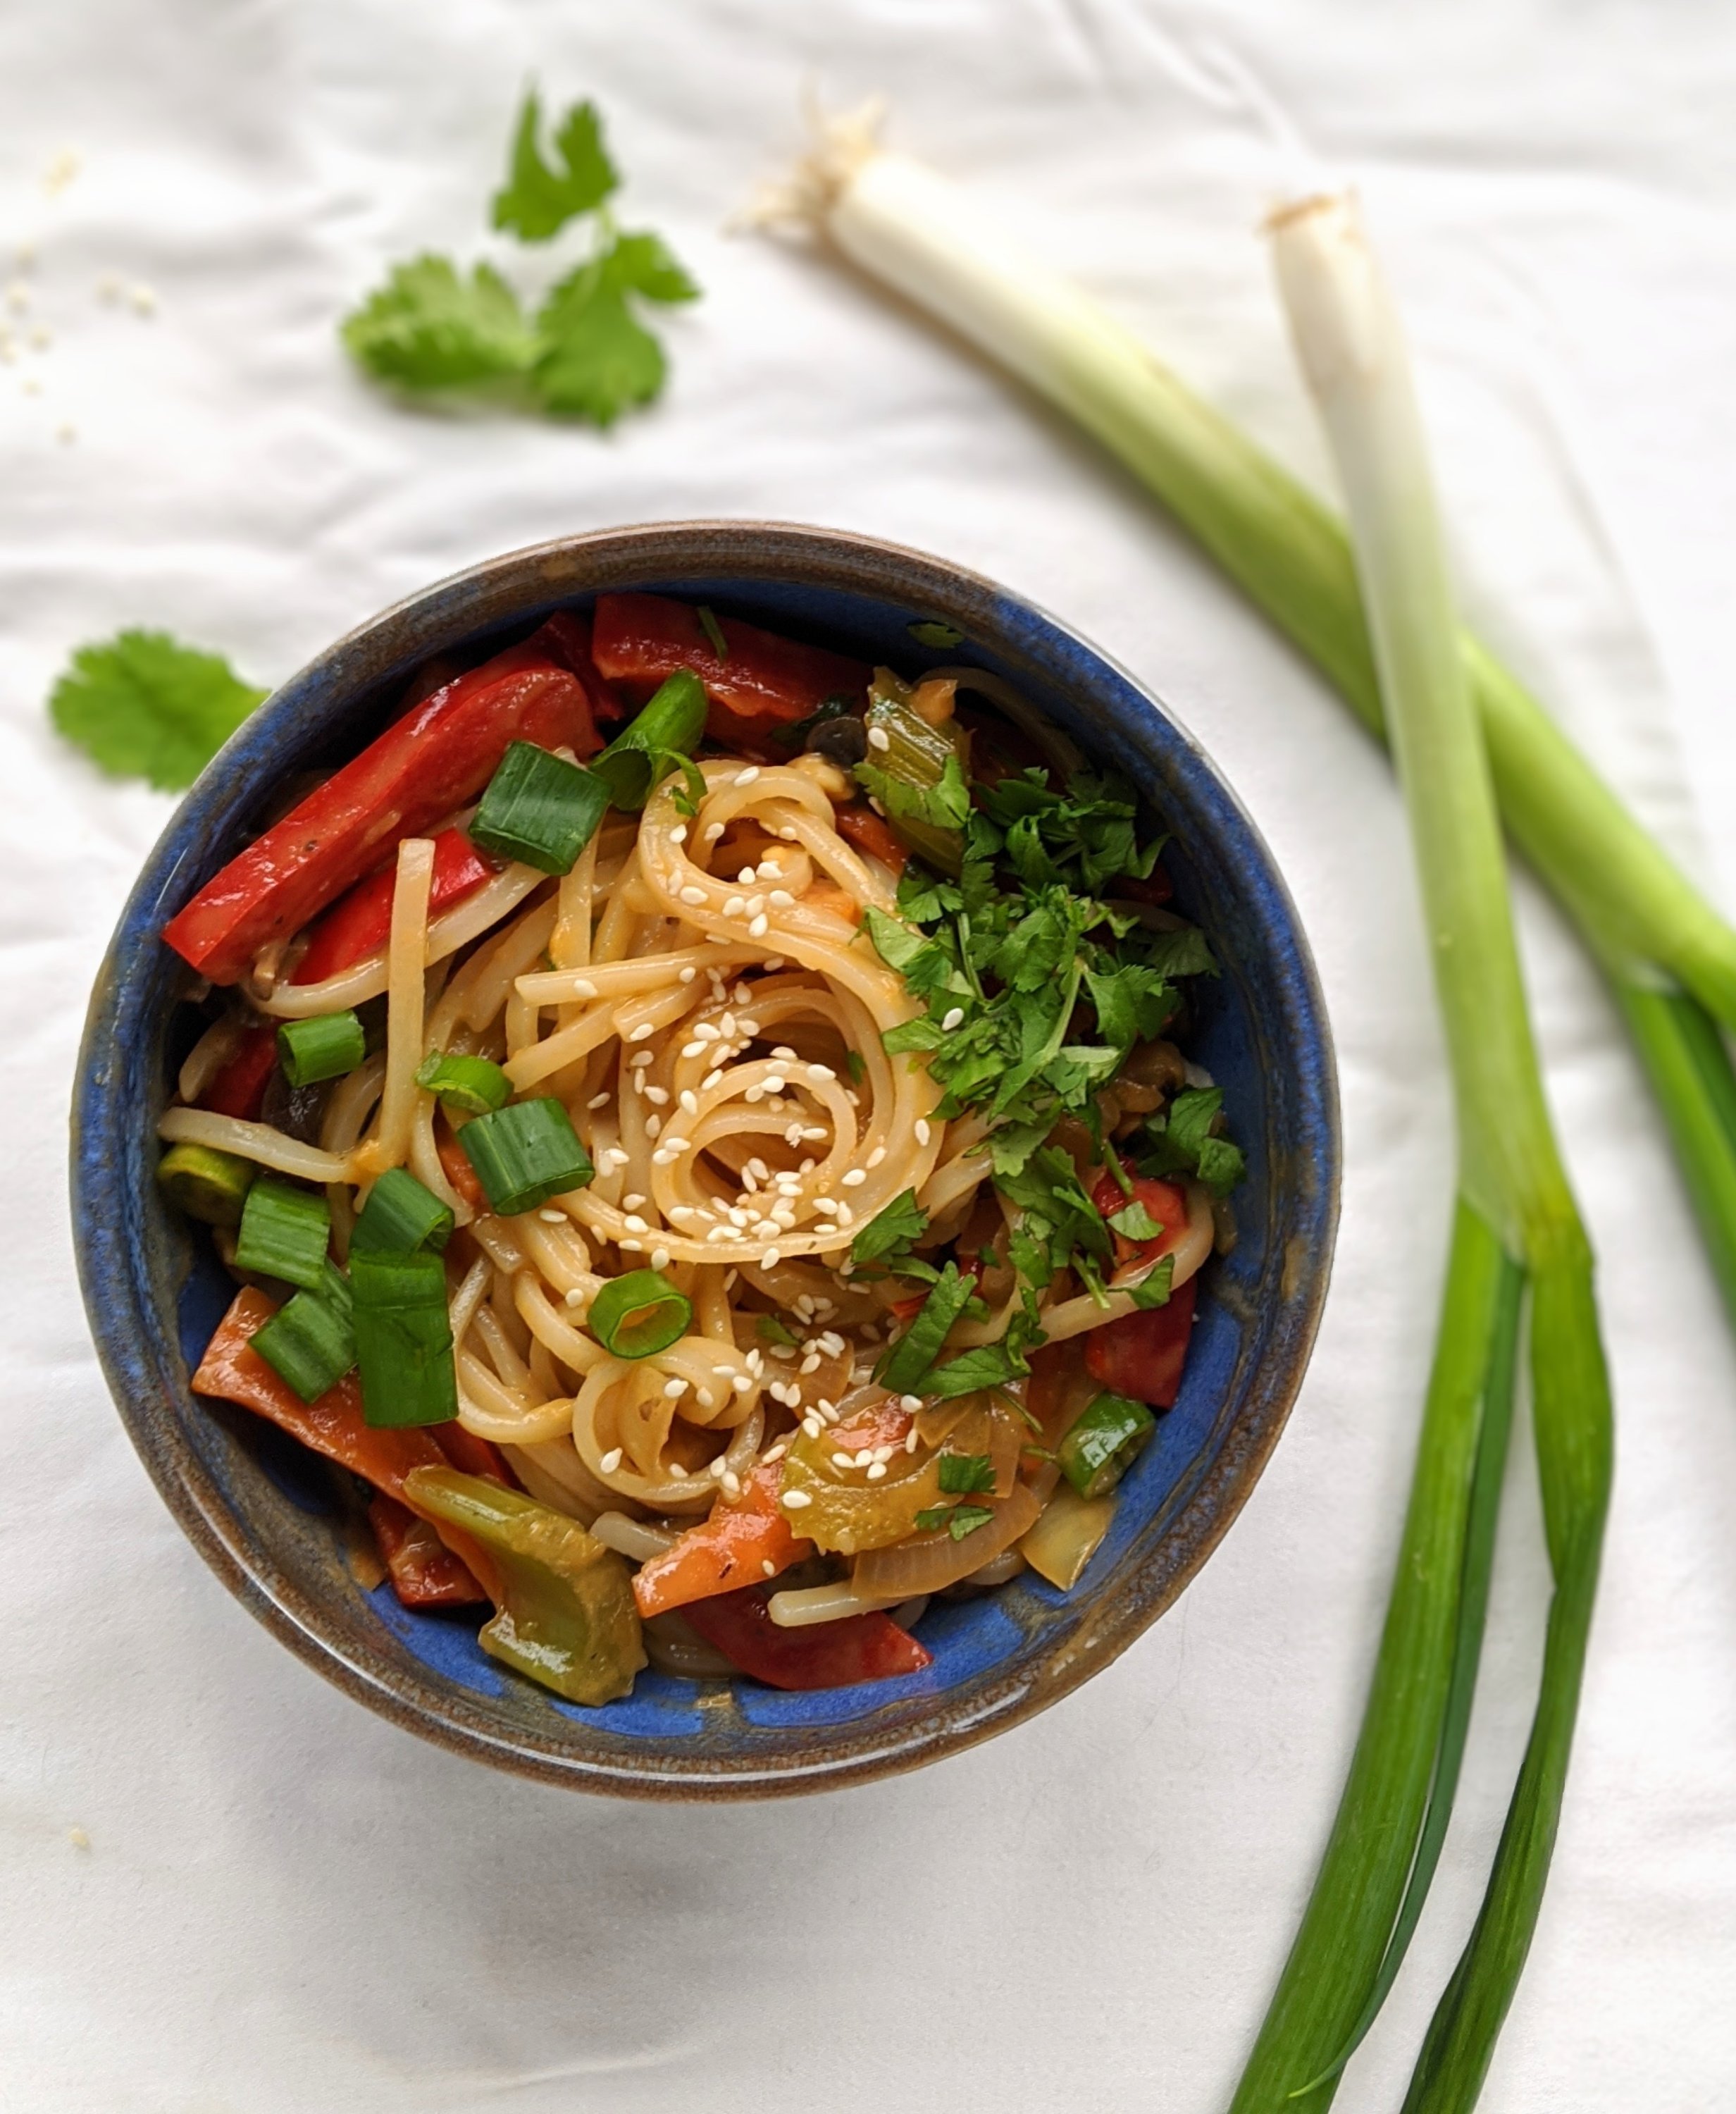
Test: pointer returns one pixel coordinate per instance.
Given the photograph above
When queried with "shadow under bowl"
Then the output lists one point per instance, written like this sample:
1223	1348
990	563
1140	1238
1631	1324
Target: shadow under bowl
260	1510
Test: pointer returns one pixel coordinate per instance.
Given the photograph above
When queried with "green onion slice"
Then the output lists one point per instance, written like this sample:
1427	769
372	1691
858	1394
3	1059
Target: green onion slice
206	1183
400	1216
324	1047
670	727
1103	1444
539	809
310	1342
472	1084
527	1153
636	1315
403	1338
285	1233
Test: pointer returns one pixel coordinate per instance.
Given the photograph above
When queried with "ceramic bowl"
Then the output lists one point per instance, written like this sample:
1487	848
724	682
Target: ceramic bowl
259	1510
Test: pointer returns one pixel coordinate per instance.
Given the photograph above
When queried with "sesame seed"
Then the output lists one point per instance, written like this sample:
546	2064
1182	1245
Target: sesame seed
692	893
811	1363
759	927
674	1390
610	1461
678	1472
810	1427
822	1073
742	1383
770	1260
643	1032
839	1460
688	973
955	1018
653	1124
675	1145
780	898
553	1218
910	1440
768	1567
631	1202
659	1258
705	1032
680	1213
689	1101
584	988
777	1454
634	1224
912	1402
923	1132
598	1102
878	737
638	1062
877	1155
663	1157
705	1398
658	1097
693	1050
755	904
731	1484
678	834
796	1499
749	775
631	1247
713	1077
734	907
854	1179
846	1216
575	1298
876	1470
775	1082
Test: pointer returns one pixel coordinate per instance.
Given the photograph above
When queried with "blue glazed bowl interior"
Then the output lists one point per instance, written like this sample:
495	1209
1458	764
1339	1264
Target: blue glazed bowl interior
264	1512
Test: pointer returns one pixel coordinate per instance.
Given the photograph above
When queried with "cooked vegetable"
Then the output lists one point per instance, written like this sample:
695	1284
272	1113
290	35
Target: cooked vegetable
206	1183
827	1655
913	1352
539	809
743	1542
916	773
1067	1537
474	1086
324	1046
1105	1444
400	1216
310	1342
424	1572
655	741
141	704
950	1548
1652	932
360	923
285	1233
1516	1230
639	1313
1142	1355
402	1337
238	1088
565	1613
525	1153
440	753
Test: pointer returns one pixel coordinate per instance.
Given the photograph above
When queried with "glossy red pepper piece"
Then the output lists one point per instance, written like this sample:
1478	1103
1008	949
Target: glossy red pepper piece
360	923
1142	1354
735	1543
424	1570
859	825
1166	1201
820	1655
439	754
239	1087
761	682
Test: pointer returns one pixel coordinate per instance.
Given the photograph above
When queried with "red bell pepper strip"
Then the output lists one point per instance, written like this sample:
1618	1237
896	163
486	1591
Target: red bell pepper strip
870	833
474	1455
239	1087
761	682
1165	1201
424	1570
433	760
740	1543
234	1371
360	923
454	1164
819	1655
1142	1354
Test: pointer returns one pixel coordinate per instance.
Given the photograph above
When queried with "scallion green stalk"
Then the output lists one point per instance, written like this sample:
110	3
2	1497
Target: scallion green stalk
1650	931
1516	1230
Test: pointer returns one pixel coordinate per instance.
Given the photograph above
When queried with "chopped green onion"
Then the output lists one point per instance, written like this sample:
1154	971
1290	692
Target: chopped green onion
539	809
310	1342
475	1085
527	1153
206	1183
637	1315
403	1338
1105	1442
961	1473
644	751
909	1358
400	1216
285	1233
324	1047
714	631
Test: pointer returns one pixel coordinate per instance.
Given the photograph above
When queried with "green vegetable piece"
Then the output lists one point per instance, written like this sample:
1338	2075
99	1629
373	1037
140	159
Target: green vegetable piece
910	1357
957	1519
638	1313
930	631
1134	1223
324	1047
771	1330
644	750
141	704
539	809
567	1617
901	1222
538	200
206	1183
598	359
961	1473
403	1338
285	1233
714	631
1154	1288
429	328
918	780
1105	1442
400	1216
474	1085
310	1342
525	1153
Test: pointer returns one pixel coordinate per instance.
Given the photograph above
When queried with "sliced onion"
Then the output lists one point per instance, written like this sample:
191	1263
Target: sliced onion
928	1563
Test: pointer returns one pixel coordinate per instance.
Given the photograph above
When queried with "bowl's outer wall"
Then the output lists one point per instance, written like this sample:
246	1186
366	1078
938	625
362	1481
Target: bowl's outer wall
255	1508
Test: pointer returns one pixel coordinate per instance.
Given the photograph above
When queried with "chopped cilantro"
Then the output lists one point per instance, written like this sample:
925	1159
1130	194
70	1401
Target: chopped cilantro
855	1064
429	327
961	1473
142	705
932	631
538	200
769	1330
910	1356
943	805
1154	1288
1183	1141
957	1519
1134	1223
598	358
903	1221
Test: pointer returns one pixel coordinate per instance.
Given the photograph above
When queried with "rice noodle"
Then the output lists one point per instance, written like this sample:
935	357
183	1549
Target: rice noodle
253	1140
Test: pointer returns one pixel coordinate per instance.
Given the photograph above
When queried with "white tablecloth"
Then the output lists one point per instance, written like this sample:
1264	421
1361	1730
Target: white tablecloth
226	1886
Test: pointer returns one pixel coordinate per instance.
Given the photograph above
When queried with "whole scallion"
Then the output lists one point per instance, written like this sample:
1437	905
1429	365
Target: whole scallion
1516	1232
1669	957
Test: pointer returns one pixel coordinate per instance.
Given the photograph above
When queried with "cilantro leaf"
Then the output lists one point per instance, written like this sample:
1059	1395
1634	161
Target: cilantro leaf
1153	1289
1184	1142
538	200
943	805
903	1221
961	1473
957	1519
771	1330
930	631
1221	1165
427	327
598	359
896	943
988	1365
141	704
1134	1223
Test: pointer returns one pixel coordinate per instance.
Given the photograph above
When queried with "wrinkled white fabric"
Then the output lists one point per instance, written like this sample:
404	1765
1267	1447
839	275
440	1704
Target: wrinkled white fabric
285	1906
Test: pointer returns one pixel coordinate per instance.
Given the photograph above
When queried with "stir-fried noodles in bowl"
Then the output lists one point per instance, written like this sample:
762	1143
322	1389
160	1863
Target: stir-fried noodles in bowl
706	1160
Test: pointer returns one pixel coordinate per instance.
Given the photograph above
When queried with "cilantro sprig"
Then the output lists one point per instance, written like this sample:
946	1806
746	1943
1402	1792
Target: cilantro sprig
585	352
142	705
